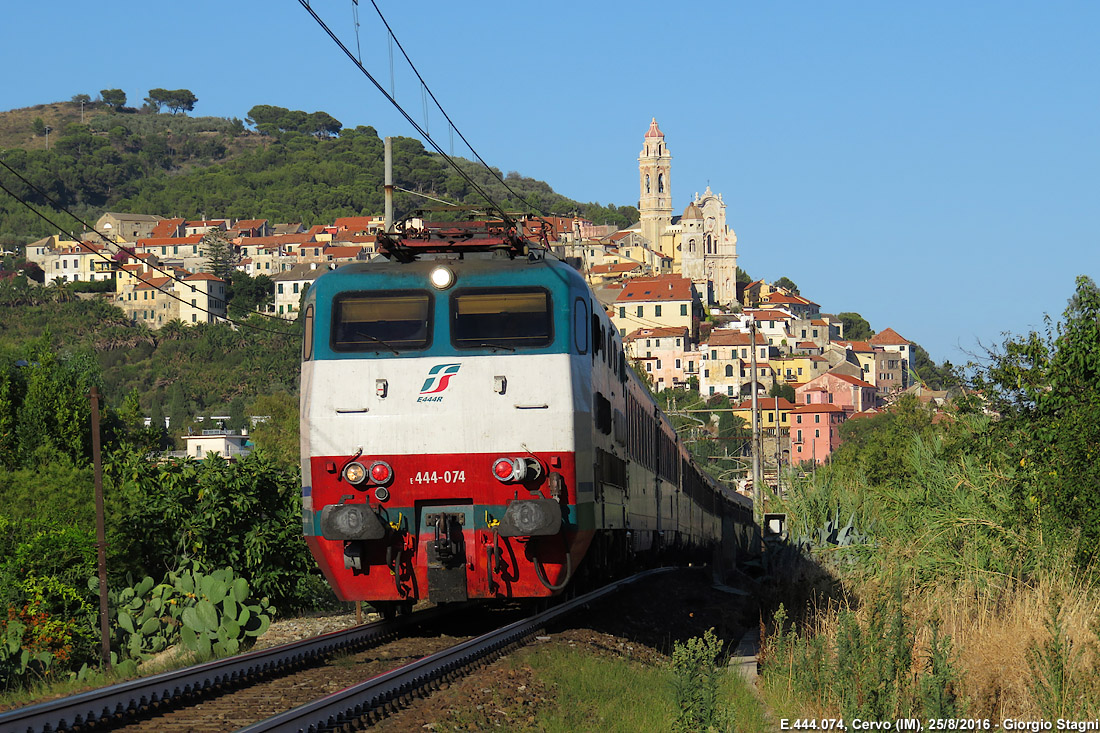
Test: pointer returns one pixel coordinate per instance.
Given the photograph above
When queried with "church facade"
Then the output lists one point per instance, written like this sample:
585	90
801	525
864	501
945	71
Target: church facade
699	242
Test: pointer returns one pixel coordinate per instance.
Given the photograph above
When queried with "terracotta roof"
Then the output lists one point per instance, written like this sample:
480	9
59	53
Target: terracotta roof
769	315
357	223
806	345
825	407
277	239
166	227
854	380
861	346
248	224
620	268
620	234
653	130
662	287
889	337
661	332
169	241
153	282
729	337
204	276
355	238
343	251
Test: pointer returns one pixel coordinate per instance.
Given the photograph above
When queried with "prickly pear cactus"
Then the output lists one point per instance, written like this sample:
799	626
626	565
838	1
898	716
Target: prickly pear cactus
209	613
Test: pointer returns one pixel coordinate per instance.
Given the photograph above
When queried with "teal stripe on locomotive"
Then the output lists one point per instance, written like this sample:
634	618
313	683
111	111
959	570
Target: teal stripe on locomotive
562	282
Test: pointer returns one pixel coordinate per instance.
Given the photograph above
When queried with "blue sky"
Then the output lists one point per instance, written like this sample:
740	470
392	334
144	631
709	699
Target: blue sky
934	166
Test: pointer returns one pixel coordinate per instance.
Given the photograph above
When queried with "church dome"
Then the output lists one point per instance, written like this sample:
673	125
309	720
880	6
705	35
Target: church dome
654	131
692	212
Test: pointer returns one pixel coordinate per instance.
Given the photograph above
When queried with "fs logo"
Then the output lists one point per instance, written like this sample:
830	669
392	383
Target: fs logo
439	378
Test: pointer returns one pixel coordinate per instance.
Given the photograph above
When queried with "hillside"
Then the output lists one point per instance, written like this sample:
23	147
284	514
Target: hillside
175	165
17	125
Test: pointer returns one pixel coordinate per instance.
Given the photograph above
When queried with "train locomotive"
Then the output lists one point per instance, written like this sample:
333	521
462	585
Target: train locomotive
470	429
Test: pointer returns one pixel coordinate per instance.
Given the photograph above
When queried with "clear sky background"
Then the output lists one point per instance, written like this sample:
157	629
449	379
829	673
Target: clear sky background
934	166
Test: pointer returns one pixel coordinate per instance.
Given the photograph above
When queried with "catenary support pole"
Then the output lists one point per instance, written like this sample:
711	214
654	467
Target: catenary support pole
100	534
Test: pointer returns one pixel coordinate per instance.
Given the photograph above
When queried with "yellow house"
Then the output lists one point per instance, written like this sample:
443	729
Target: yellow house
767	411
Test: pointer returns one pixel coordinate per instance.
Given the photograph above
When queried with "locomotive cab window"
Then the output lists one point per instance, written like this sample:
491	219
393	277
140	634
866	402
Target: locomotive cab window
508	318
382	321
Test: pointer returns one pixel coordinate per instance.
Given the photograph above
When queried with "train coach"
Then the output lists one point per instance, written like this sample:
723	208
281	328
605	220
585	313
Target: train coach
471	429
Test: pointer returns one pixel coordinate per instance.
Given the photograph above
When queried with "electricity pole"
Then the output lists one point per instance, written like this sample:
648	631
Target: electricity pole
757	478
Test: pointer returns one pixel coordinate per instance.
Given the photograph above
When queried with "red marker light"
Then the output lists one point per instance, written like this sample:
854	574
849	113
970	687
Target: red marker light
504	469
380	472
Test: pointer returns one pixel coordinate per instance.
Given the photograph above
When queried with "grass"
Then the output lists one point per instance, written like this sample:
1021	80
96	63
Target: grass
613	694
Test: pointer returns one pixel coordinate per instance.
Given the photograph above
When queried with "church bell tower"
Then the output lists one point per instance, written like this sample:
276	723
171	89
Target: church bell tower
655	201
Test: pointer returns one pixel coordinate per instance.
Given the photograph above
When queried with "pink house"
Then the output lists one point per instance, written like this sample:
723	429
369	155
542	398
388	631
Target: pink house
847	392
815	431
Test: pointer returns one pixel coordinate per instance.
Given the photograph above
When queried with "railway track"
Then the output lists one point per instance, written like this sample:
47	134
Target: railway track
133	705
111	706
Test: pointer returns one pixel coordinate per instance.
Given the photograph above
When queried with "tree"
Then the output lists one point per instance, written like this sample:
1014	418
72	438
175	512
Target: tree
81	99
743	277
323	124
156	98
784	390
277	434
856	327
180	99
113	98
1046	389
39	126
221	258
787	284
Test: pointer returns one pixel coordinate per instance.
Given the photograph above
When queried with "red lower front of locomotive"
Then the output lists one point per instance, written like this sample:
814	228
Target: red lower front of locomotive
445	528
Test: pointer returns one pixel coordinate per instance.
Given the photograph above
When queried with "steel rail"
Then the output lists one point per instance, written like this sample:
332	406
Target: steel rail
108	702
390	690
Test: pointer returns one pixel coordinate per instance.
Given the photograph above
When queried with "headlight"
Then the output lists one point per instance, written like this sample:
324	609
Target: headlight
355	473
442	278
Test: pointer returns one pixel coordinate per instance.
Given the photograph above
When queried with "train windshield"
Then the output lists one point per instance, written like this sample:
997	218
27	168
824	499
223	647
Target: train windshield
382	321
505	318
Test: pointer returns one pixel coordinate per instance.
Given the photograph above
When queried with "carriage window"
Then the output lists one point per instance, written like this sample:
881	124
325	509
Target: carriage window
382	321
508	318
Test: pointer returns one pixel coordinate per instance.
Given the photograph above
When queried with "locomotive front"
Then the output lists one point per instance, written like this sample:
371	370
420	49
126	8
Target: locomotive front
441	403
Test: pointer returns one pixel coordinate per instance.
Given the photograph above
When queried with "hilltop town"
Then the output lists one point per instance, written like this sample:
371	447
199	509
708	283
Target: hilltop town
669	284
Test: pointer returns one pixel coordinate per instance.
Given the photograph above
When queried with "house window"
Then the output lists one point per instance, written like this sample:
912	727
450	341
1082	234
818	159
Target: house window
798	419
658	363
712	390
799	435
714	354
677	342
622	312
817	433
706	373
192	318
683	309
640	310
803	333
817	418
830	398
649	366
647	342
280	288
295	287
656	311
729	370
677	363
815	333
800	371
807	399
729	390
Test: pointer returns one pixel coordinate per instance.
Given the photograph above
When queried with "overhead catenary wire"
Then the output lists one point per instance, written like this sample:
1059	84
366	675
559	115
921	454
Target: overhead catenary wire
240	324
389	97
452	126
